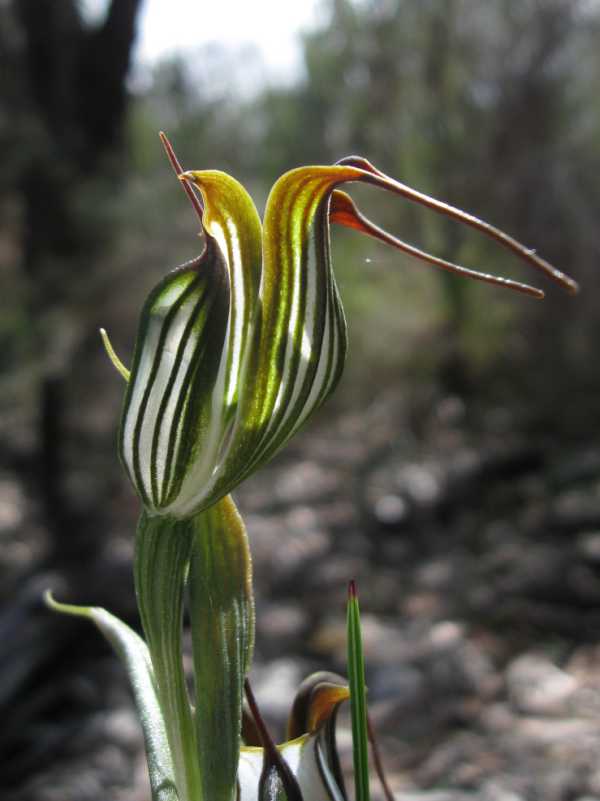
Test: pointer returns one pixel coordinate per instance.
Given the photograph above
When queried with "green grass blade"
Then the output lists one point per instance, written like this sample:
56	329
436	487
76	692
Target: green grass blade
358	703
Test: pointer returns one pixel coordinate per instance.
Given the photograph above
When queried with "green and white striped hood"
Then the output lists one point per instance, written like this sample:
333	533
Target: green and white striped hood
236	349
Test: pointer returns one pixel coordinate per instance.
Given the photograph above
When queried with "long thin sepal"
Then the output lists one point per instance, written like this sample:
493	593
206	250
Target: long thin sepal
161	562
134	654
358	704
222	627
344	212
374	176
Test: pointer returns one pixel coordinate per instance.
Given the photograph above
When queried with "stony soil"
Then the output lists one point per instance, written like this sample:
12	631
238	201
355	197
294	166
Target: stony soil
477	555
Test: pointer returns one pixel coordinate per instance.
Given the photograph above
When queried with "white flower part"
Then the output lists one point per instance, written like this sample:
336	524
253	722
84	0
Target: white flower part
249	770
306	759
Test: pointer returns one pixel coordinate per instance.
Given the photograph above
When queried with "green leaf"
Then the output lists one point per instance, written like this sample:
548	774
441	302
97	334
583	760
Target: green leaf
222	621
133	652
161	563
358	703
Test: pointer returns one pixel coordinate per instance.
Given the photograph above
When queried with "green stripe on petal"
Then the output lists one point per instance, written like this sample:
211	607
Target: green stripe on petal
301	313
168	406
231	218
300	339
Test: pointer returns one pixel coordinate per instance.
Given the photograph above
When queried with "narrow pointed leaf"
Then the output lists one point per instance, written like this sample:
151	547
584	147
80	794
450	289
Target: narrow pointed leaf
222	621
358	703
134	654
162	557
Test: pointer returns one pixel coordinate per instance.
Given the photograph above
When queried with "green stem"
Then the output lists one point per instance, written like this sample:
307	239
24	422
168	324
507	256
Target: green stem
161	561
222	627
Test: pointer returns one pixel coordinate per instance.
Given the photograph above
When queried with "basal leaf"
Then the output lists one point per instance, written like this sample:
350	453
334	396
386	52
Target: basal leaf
133	652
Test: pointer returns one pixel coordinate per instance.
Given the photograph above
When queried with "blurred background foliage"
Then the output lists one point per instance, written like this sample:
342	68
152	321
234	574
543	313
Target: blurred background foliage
492	107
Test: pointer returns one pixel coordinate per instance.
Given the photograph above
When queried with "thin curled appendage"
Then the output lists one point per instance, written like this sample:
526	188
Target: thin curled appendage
344	212
110	352
377	178
178	170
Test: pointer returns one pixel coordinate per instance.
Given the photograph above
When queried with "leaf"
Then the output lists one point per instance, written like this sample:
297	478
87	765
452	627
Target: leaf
133	652
222	622
358	704
161	562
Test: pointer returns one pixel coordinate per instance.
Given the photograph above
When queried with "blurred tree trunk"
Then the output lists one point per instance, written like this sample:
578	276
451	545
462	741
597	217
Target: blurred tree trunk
76	99
64	92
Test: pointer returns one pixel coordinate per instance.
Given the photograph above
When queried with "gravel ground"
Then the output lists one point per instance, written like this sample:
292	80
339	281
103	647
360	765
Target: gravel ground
477	557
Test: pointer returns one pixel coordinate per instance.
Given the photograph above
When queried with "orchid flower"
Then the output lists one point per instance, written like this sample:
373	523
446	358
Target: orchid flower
235	350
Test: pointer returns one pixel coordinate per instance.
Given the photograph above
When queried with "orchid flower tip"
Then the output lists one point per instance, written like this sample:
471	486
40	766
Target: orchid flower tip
572	286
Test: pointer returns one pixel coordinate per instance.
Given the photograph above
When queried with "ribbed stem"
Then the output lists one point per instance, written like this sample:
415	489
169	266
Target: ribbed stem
222	626
162	555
